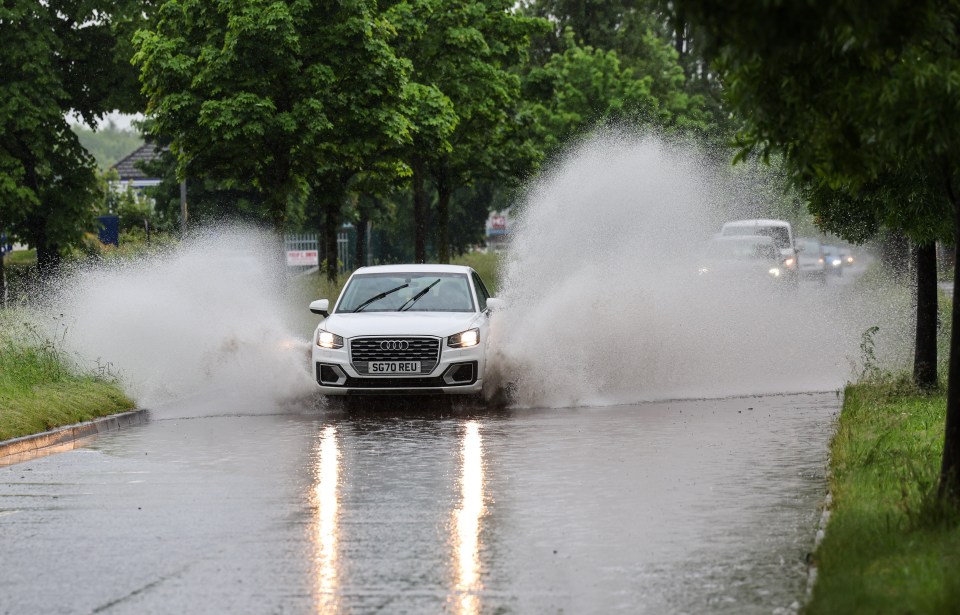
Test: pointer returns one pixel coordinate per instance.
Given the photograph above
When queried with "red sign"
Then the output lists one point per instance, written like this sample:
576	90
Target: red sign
303	258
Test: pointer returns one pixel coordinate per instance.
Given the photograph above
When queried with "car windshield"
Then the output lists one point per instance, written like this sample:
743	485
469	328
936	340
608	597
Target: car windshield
411	292
811	245
741	250
779	234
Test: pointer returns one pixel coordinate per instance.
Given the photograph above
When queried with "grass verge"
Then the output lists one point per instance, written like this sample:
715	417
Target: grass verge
890	547
40	389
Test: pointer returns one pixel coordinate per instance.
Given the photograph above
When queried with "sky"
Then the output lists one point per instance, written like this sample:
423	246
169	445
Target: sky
122	120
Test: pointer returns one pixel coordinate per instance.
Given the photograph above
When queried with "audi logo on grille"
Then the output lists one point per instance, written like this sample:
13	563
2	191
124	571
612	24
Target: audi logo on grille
394	345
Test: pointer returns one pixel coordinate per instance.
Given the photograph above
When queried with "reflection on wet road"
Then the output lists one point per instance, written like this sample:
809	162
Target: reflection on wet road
467	520
328	471
669	507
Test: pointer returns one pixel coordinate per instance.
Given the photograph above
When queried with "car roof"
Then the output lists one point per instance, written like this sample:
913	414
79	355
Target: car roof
421	268
758	222
742	239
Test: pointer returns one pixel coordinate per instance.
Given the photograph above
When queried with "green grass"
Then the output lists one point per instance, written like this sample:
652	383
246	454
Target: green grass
486	264
890	546
21	257
40	389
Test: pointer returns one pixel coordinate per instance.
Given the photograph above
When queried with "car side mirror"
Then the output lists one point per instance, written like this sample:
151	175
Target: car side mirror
495	305
321	306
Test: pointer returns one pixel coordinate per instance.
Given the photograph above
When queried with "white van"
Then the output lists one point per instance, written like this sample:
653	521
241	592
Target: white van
779	230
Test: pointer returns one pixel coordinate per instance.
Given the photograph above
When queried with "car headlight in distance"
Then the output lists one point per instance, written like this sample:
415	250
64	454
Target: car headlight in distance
789	262
325	339
465	339
775	272
836	262
703	270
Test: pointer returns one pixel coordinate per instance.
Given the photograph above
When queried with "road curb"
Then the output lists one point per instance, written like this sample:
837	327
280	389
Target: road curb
70	433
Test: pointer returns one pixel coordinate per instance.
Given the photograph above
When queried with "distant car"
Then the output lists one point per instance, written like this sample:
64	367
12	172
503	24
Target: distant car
834	263
404	329
846	255
742	260
813	264
780	231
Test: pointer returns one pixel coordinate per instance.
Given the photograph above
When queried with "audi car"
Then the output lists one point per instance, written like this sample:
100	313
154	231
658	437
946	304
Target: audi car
404	329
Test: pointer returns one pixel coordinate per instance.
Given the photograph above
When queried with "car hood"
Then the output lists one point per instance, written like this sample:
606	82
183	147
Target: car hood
439	324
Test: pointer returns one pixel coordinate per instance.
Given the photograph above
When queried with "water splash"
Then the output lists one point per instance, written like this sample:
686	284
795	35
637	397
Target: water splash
604	304
208	319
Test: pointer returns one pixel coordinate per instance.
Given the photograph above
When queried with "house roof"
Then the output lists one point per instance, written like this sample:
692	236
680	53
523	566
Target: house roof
128	167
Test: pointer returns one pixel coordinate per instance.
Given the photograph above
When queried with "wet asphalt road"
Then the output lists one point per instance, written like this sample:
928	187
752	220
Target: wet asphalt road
670	507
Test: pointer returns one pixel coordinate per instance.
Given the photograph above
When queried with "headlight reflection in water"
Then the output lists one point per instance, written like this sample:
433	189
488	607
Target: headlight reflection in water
325	531
467	522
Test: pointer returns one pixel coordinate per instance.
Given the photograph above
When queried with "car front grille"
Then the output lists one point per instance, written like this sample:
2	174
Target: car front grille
366	349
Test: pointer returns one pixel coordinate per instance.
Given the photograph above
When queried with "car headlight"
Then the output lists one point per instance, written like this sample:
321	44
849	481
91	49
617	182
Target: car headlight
775	272
466	339
789	262
325	339
836	262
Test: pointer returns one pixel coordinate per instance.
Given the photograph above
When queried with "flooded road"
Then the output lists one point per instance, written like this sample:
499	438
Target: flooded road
671	507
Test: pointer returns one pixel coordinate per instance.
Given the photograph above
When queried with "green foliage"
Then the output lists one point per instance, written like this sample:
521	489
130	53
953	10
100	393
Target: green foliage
649	44
890	546
850	91
57	57
271	95
463	100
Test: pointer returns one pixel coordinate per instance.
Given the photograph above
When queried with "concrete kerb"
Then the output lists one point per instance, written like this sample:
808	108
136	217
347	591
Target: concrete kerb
70	433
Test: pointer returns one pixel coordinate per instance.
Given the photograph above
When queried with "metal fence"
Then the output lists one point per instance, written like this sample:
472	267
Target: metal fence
305	251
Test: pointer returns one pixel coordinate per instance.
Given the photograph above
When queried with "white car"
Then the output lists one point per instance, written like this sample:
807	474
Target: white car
782	234
404	329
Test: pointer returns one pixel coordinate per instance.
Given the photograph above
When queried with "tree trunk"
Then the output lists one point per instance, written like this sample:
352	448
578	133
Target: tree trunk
331	223
3	275
419	213
443	217
362	224
950	468
925	351
48	259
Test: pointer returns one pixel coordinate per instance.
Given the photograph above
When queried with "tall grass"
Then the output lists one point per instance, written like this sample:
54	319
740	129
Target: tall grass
41	388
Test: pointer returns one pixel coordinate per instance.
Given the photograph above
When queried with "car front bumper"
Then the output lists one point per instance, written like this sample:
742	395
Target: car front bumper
458	372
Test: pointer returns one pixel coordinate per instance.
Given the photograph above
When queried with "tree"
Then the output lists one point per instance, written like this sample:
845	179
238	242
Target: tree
583	86
652	43
848	91
464	100
57	57
905	199
278	95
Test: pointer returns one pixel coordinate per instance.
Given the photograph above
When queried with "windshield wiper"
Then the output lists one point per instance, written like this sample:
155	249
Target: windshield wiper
417	296
379	297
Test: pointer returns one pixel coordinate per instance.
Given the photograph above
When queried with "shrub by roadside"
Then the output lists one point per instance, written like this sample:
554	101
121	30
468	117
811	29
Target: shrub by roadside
890	547
41	389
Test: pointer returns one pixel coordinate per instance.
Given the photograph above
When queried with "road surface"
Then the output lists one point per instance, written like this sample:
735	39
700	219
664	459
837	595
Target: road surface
703	506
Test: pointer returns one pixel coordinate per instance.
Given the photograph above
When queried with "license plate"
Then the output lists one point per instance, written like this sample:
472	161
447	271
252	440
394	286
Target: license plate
394	367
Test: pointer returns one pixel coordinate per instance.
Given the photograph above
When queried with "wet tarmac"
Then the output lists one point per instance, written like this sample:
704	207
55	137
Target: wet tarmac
671	507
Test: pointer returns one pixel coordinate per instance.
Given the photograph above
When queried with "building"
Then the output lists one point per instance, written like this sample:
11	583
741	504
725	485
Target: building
131	175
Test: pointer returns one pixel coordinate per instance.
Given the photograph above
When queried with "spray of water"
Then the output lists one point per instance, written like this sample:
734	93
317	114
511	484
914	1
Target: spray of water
207	320
604	301
605	304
